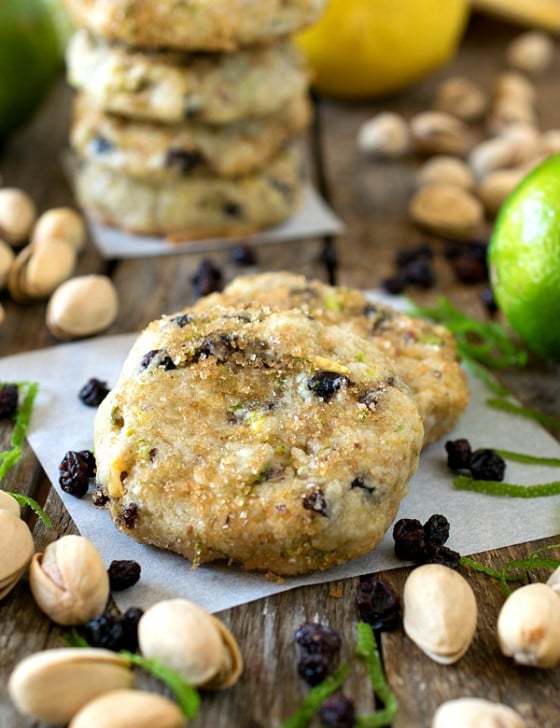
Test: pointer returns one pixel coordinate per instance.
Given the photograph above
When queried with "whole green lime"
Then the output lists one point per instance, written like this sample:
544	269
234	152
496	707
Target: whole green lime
524	259
31	56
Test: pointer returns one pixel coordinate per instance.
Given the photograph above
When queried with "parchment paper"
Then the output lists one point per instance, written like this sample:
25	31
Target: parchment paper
479	522
313	219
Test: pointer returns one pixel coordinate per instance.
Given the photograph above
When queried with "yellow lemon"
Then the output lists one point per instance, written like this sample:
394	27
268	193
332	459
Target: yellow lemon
362	48
524	259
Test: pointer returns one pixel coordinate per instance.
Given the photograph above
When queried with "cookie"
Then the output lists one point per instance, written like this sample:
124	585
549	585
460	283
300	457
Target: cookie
265	439
425	354
194	207
158	152
174	87
211	25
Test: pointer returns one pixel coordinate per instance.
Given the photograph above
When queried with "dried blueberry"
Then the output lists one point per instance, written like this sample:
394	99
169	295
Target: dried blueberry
74	472
395	284
93	392
378	603
182	320
316	501
326	384
184	159
364	483
337	711
488	299
123	574
207	278
485	464
317	638
101	145
232	209
314	668
243	255
438	554
129	623
409	537
99	498
436	529
105	631
129	515
8	401
458	454
159	359
420	273
406	256
469	270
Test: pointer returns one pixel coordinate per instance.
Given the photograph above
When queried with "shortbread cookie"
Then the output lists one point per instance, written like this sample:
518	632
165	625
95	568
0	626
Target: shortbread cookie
194	207
266	439
211	25
173	87
425	354
158	152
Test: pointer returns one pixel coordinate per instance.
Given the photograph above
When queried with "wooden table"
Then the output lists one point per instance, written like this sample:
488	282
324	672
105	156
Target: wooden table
371	198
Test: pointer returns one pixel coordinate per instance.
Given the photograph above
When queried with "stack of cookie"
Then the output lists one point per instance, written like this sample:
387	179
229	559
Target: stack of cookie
188	114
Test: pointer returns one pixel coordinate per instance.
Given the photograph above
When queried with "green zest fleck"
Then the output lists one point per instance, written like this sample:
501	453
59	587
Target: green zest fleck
360	357
532	414
73	639
25	500
331	303
487	342
494	487
367	650
186	695
520	457
314	699
9	458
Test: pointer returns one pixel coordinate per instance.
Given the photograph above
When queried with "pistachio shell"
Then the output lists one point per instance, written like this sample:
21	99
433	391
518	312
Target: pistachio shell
188	639
234	659
62	223
6	259
17	215
53	685
129	709
475	713
435	132
51	261
7	503
444	209
529	626
82	306
440	612
16	550
69	581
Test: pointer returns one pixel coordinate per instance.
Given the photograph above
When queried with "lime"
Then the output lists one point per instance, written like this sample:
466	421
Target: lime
361	48
31	56
524	259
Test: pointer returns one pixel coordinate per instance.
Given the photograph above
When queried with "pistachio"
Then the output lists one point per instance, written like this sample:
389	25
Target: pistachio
510	112
6	259
385	135
434	132
514	86
440	612
17	215
69	581
517	145
554	580
53	685
475	713
82	306
462	98
496	186
16	550
444	209
129	709
7	503
61	223
448	170
194	643
529	626
531	52
39	268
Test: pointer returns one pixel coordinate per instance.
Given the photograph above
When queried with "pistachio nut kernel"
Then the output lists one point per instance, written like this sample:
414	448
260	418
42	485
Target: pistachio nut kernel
61	223
82	306
69	581
53	685
186	638
529	626
17	215
440	612
129	709
16	550
7	503
475	713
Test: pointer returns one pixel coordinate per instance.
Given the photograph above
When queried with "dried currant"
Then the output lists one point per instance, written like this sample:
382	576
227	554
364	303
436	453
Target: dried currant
159	359
409	537
182	320
458	454
489	301
337	711
439	554
317	638
314	668
8	401
129	623
129	515
486	464
74	473
377	602
243	255
123	574
93	392
326	384
436	529
105	631
316	501
207	278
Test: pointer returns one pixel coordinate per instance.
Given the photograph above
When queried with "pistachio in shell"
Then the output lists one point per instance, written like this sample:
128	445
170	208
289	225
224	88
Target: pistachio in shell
129	709
7	503
82	306
475	713
16	550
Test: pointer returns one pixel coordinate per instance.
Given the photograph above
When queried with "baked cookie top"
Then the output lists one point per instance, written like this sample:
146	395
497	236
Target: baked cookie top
154	151
211	25
424	353
267	439
173	87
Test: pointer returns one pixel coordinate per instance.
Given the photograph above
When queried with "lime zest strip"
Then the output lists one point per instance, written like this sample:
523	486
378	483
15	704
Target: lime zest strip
532	414
9	458
25	500
521	457
367	650
314	699
512	490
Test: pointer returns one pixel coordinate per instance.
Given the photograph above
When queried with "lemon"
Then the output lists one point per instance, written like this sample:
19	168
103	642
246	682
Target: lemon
31	56
524	259
361	48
